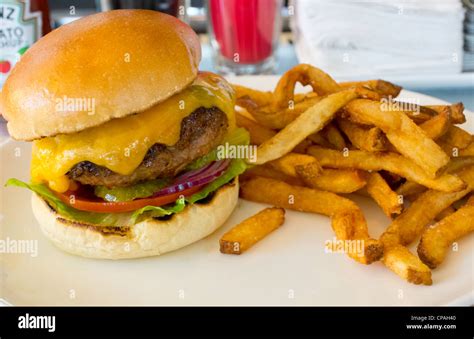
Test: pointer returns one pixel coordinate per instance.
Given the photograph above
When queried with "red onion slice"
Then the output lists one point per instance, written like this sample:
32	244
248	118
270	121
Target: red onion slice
194	172
200	177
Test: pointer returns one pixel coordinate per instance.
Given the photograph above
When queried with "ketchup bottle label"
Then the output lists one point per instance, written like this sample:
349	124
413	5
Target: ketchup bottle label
19	29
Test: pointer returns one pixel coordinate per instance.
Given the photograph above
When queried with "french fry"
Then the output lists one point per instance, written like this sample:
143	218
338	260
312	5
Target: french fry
248	103
412	189
413	197
367	93
393	180
333	180
418	114
406	265
410	224
363	137
302	147
456	111
307	168
457	164
384	88
309	122
261	98
268	172
383	195
334	137
250	231
318	139
299	97
437	239
468	151
287	164
305	74
351	225
437	126
280	194
455	139
390	162
283	116
407	137
409	188
444	213
258	133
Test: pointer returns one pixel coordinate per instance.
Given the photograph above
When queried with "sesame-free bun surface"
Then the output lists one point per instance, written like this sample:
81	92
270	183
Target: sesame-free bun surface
124	61
148	238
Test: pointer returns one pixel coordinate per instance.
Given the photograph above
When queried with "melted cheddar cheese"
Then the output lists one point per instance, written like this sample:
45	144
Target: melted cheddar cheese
121	144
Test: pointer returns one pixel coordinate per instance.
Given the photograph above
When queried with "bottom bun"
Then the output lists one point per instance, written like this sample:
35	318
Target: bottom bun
147	238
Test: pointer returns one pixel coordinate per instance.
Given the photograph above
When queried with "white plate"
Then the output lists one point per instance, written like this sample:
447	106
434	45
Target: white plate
289	267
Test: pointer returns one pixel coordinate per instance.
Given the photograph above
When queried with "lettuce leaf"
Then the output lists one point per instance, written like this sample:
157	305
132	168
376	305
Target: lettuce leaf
68	212
158	211
236	167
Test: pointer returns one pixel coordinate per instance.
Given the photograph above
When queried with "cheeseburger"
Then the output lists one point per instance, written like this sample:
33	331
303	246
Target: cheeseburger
126	135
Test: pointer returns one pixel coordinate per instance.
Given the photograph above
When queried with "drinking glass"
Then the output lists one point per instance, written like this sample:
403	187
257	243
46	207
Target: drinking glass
244	34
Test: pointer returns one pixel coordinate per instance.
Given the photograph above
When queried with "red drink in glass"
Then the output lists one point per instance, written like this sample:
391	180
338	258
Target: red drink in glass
245	33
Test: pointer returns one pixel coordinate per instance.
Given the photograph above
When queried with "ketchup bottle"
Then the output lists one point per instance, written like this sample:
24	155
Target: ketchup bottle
22	23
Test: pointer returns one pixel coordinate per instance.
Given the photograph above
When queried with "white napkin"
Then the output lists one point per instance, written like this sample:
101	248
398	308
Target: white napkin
348	37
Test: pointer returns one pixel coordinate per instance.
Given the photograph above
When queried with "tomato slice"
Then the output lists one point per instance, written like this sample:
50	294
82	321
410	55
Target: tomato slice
70	198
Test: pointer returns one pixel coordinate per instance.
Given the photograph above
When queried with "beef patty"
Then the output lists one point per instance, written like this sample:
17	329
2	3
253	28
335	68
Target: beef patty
201	132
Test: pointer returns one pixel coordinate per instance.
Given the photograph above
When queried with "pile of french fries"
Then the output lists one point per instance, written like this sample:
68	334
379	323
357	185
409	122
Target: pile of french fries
417	164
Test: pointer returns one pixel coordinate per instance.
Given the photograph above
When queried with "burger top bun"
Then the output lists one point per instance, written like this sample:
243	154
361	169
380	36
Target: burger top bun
104	66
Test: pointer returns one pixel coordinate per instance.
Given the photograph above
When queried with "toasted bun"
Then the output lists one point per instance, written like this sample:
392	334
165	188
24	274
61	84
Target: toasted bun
148	238
124	61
